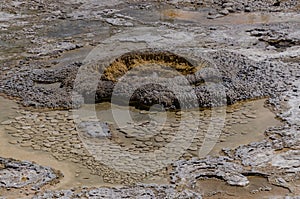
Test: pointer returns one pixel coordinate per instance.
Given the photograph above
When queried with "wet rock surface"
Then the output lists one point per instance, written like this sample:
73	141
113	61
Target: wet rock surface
222	51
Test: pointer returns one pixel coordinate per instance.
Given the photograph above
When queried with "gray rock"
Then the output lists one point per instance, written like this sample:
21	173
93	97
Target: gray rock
224	12
142	191
119	22
16	174
221	167
95	129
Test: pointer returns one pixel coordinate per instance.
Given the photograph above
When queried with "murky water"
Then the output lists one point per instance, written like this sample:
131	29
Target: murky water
244	123
200	17
257	188
256	118
74	174
235	18
148	131
69	28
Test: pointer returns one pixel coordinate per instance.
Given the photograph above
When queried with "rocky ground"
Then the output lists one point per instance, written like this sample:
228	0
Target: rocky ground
60	55
25	175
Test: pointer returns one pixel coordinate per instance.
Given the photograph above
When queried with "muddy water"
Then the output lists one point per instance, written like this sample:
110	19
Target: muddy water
256	119
244	123
69	28
236	18
200	17
257	188
74	174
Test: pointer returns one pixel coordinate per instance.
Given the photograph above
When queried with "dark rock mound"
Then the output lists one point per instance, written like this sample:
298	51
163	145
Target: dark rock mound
222	78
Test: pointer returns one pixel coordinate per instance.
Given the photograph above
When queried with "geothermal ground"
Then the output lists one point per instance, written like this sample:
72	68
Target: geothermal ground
150	99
